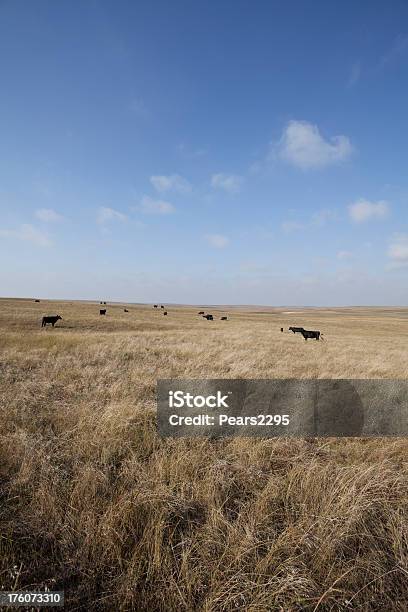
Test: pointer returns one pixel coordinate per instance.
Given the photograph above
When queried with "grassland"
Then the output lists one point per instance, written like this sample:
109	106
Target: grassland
94	502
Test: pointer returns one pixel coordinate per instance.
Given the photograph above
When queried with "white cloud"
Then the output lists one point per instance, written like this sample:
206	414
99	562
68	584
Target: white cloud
109	214
48	215
171	182
398	250
303	146
231	183
218	241
343	255
364	210
156	207
27	233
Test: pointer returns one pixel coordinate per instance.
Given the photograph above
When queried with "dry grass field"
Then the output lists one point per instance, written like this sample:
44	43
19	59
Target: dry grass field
93	501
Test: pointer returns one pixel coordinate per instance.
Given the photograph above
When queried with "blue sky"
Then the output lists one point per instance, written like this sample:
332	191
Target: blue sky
204	152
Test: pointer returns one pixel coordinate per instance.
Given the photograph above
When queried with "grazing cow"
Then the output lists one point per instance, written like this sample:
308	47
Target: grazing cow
161	306
36	300
51	319
310	334
224	318
155	306
201	312
281	329
208	317
125	310
102	311
165	312
296	330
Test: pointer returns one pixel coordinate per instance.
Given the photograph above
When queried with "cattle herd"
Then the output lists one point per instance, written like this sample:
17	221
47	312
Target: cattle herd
52	319
306	333
209	317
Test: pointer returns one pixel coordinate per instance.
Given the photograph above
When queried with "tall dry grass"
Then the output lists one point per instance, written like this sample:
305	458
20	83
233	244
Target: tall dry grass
94	502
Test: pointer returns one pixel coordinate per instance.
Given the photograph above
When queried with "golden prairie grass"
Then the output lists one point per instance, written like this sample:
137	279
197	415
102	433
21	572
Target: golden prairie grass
93	501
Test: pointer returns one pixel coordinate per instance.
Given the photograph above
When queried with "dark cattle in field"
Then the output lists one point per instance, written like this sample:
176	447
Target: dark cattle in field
208	317
310	334
36	300
165	312
201	312
281	329
161	306
155	306
102	312
296	330
224	318
125	310
52	320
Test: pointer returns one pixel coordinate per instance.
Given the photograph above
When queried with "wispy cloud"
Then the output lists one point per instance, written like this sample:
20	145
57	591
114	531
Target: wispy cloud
355	74
344	255
231	183
322	217
170	182
303	146
27	233
398	250
156	207
138	107
48	215
318	219
363	210
252	267
109	214
190	153
292	226
217	241
398	48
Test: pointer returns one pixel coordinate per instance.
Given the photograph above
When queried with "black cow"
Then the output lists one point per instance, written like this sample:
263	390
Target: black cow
310	334
125	310
51	319
201	312
224	318
165	312
155	306
36	300
208	317
102	311
161	306
281	329
296	330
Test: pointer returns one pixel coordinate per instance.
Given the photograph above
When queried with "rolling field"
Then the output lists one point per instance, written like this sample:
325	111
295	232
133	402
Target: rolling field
93	501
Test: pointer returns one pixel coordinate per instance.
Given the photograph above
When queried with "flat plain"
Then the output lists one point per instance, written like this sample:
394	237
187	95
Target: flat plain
93	501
